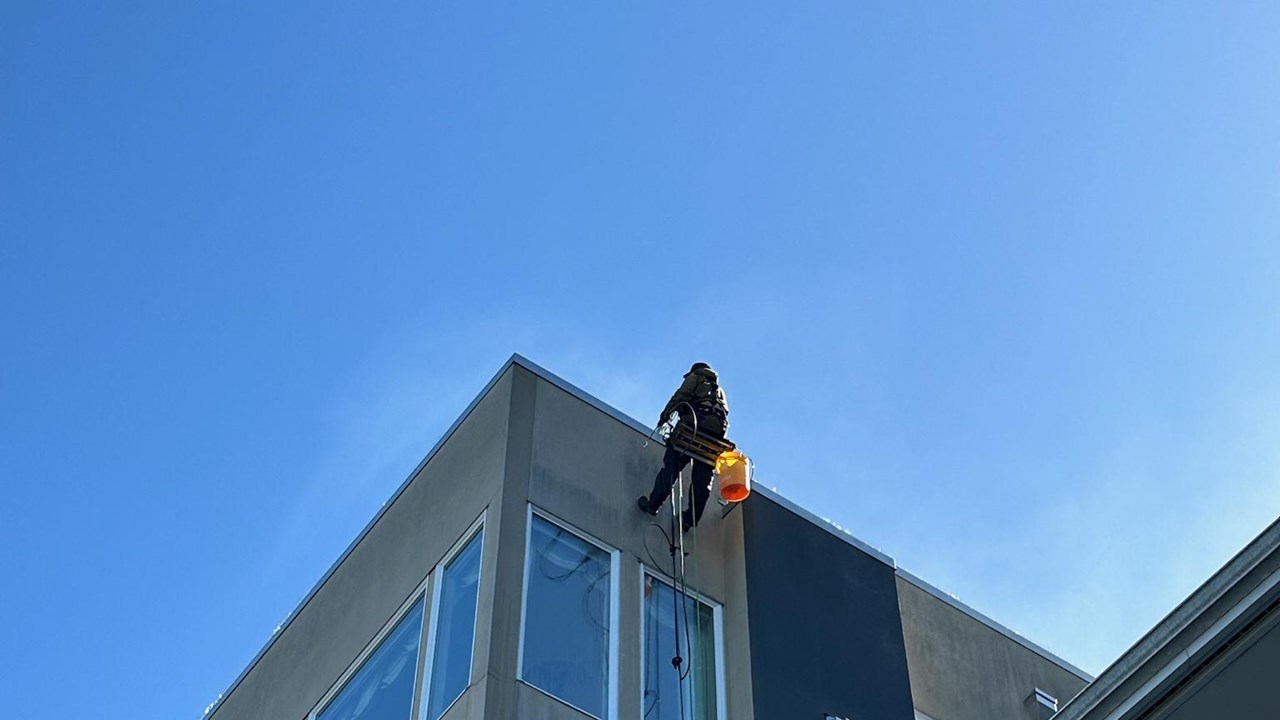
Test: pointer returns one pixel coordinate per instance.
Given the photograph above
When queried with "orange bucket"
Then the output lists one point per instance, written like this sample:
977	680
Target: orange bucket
734	470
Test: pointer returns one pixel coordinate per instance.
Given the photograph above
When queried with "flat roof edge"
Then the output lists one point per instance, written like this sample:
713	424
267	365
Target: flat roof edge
582	395
827	525
634	424
976	615
213	708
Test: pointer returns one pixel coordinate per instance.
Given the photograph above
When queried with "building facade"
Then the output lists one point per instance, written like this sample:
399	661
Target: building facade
511	576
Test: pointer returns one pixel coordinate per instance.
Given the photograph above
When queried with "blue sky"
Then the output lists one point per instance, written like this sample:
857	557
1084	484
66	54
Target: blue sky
995	287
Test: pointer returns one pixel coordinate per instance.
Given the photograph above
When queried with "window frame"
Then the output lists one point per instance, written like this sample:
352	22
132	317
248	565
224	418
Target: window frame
432	621
429	592
615	609
717	615
372	646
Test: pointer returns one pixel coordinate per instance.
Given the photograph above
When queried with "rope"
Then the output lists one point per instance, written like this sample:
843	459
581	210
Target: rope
680	585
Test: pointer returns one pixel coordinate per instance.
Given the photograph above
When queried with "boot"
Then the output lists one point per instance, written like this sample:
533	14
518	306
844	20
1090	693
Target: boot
645	506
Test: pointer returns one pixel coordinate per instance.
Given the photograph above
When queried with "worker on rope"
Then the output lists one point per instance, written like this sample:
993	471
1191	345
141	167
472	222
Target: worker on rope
702	393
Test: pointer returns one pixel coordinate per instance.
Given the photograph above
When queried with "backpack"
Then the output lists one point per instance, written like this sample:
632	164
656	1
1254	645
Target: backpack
708	398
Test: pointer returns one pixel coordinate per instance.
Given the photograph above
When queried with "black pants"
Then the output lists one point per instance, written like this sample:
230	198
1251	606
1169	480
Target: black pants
675	461
672	464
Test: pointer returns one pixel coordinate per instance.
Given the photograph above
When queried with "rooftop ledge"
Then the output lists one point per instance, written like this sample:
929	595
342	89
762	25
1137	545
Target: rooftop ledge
597	403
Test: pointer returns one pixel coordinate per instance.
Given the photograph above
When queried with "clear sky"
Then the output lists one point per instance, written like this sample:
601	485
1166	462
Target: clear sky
993	286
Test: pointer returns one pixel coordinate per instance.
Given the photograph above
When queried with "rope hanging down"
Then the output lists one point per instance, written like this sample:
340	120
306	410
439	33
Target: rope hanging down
712	451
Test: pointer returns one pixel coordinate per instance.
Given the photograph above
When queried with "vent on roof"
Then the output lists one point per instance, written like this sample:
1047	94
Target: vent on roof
1042	705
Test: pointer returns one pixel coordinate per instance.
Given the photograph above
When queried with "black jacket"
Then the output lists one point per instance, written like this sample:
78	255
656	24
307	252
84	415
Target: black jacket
701	389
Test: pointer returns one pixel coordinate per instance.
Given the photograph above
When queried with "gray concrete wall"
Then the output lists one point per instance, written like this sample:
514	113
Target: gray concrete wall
470	705
737	622
498	616
389	563
590	469
587	469
963	669
527	440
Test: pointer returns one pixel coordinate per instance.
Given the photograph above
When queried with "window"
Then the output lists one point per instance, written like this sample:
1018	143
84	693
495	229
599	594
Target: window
453	631
382	689
569	607
687	629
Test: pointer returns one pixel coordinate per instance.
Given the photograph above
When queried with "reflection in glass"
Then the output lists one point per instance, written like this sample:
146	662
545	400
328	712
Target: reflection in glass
691	624
566	630
382	689
455	629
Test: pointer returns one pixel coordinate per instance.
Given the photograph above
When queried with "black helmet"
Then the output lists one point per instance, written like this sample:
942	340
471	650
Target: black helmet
699	366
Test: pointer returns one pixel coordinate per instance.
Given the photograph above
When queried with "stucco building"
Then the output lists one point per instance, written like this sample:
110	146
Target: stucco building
511	576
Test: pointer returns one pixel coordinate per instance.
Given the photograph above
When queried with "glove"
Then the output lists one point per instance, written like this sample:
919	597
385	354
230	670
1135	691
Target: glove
666	427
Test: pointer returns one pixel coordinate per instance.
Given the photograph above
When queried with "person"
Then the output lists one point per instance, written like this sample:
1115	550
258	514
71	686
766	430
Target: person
700	391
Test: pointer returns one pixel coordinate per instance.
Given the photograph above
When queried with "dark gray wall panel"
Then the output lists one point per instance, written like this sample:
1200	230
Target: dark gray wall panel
1243	690
825	631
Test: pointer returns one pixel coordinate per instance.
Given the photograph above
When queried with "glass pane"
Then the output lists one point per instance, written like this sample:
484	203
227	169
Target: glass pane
690	626
382	689
566	626
455	629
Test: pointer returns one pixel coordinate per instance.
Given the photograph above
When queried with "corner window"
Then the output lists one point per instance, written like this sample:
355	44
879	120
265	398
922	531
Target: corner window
568	611
684	627
454	628
382	689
